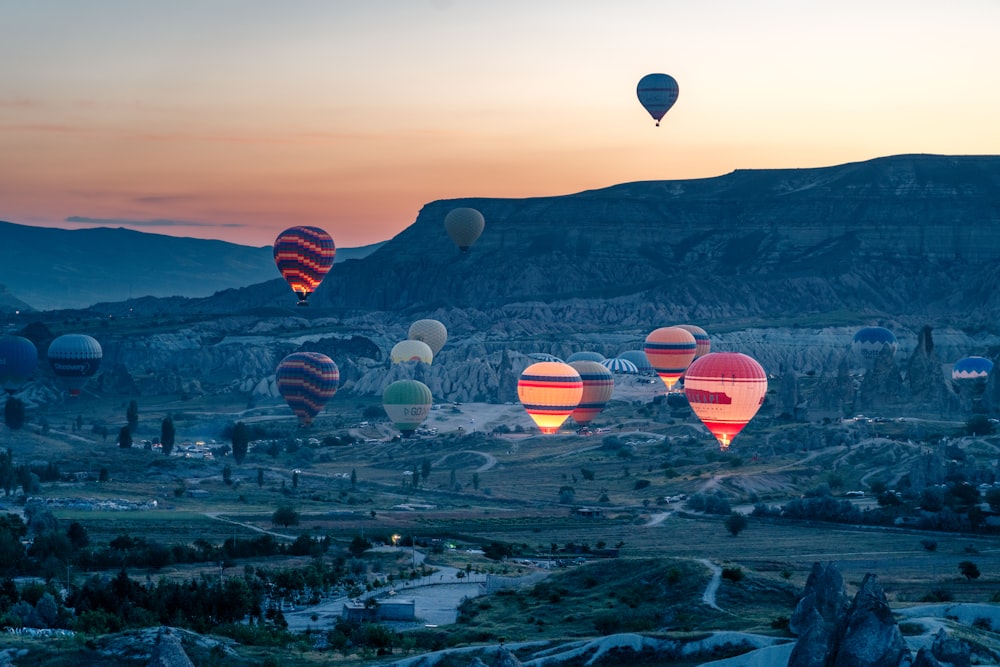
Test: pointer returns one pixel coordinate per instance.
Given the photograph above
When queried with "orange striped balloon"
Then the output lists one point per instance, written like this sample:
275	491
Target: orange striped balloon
550	392
670	351
725	390
701	340
598	385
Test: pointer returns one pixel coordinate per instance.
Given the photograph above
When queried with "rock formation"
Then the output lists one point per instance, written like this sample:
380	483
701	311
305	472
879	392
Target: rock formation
834	634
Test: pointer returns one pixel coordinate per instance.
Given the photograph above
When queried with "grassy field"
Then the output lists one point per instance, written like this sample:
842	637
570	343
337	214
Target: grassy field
521	490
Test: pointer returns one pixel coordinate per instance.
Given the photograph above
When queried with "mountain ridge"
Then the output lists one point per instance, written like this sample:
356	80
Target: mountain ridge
52	268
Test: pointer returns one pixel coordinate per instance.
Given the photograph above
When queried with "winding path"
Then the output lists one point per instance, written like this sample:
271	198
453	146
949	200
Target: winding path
708	597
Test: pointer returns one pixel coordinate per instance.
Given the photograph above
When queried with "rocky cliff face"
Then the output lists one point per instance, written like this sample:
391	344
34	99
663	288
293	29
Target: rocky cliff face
905	235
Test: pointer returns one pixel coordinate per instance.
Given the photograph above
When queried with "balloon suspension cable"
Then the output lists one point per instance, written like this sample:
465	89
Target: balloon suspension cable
657	123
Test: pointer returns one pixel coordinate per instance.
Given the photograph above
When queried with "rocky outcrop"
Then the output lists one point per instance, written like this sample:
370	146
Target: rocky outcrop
833	634
869	635
169	652
944	652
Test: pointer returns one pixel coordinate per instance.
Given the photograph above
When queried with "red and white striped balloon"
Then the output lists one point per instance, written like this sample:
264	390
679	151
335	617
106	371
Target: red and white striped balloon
725	390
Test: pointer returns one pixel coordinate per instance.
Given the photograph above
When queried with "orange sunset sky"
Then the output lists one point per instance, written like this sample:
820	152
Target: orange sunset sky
236	119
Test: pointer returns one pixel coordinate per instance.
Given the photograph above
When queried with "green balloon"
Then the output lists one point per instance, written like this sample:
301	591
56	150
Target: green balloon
407	402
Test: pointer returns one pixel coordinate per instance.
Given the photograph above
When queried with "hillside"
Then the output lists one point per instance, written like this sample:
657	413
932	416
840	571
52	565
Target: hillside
51	269
913	236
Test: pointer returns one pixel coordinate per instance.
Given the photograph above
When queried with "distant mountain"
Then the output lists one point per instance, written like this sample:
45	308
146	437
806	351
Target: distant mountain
908	236
9	303
51	269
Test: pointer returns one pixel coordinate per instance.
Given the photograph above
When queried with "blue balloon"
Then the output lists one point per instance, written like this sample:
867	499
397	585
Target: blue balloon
18	359
971	369
868	343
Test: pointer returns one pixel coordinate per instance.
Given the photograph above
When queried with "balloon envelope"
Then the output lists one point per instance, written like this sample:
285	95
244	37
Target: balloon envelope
550	391
407	402
657	93
304	256
869	342
971	370
670	351
620	365
702	342
725	390
598	385
464	225
18	360
584	355
638	357
411	350
74	359
431	332
307	380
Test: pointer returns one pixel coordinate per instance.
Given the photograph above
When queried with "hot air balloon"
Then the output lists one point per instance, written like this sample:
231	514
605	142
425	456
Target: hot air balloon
407	402
307	380
704	345
74	359
411	350
544	356
638	357
725	390
304	256
869	342
657	93
585	356
464	225
620	365
18	359
971	370
598	385
670	351
431	332
550	391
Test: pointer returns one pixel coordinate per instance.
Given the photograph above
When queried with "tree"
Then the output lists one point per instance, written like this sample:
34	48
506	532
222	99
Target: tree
167	435
735	523
125	438
295	479
285	516
354	478
132	415
475	481
227	475
241	442
993	498
425	469
358	546
14	413
260	477
969	570
78	535
978	425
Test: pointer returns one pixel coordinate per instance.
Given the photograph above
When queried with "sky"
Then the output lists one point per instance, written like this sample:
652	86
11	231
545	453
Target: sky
234	120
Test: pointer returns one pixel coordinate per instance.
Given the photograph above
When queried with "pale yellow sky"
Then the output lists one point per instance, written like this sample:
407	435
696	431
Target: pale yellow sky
236	119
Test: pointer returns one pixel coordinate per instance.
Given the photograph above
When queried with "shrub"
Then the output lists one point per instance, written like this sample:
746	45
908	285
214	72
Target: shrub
733	574
929	545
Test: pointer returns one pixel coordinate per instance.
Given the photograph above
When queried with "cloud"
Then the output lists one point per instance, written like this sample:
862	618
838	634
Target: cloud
124	222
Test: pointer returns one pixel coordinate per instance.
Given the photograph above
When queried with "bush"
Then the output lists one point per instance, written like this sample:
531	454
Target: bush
733	574
929	545
735	523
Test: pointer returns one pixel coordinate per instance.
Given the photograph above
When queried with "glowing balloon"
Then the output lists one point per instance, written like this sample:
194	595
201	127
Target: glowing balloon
657	93
74	359
431	332
598	385
704	345
411	350
464	225
307	380
550	391
407	402
18	359
304	256
971	370
670	351
725	390
869	342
